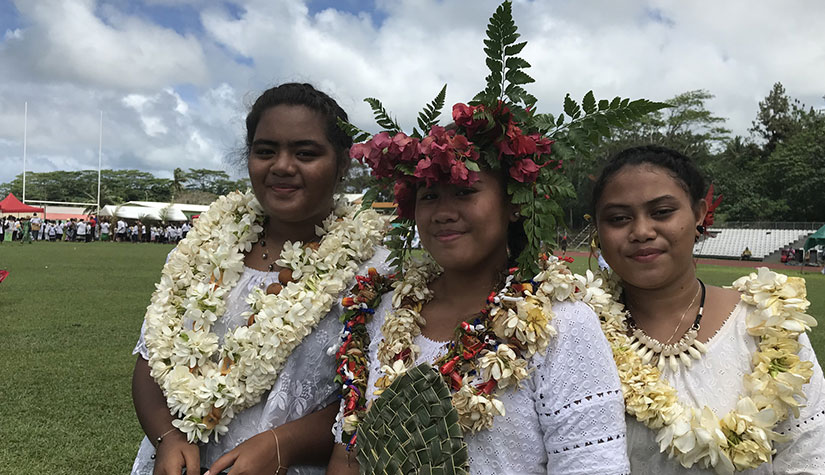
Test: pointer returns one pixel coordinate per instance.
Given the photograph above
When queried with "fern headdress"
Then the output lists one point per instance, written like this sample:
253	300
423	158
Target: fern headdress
498	130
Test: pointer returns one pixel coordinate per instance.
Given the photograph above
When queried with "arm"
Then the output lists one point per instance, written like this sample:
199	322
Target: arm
579	398
305	441
342	462
174	452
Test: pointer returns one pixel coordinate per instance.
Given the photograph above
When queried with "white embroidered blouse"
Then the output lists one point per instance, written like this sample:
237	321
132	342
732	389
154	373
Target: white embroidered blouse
716	381
569	416
304	386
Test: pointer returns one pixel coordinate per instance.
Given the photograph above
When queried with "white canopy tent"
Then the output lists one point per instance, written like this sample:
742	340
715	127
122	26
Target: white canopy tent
143	213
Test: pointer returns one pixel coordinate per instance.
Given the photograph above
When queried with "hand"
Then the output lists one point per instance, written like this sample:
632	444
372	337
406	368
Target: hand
174	453
256	456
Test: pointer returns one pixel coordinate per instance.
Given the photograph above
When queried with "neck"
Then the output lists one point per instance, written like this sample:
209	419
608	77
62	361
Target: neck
469	286
278	232
662	306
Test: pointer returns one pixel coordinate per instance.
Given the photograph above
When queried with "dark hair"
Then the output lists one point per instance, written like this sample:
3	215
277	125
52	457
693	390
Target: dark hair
680	167
296	94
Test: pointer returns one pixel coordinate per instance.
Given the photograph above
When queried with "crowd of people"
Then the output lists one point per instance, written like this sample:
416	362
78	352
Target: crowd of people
34	228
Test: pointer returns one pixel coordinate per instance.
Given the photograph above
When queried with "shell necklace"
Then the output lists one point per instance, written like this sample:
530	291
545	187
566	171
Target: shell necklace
656	353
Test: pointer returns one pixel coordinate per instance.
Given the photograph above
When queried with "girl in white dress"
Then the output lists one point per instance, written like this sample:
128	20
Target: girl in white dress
480	360
718	379
232	369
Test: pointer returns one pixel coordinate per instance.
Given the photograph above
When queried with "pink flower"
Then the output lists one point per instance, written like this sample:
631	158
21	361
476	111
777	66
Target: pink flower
525	170
427	170
404	192
463	117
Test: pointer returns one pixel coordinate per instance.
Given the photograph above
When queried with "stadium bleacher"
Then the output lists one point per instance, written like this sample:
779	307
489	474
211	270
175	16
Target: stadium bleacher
730	242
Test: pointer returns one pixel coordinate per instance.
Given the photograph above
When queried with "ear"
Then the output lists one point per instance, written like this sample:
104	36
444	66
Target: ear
701	211
514	212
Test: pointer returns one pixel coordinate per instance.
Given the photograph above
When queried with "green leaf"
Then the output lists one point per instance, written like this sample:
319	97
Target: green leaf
357	134
589	103
429	116
570	106
515	49
382	118
604	104
472	166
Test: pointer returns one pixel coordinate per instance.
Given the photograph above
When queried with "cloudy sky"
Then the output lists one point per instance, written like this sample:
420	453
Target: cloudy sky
173	78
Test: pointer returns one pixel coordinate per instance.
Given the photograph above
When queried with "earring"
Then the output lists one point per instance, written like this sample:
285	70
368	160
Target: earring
701	229
516	214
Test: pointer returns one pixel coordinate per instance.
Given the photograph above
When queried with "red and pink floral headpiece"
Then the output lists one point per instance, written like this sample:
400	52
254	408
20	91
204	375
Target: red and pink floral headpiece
480	138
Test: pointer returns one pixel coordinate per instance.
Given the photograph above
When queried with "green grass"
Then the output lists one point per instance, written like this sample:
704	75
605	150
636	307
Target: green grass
69	317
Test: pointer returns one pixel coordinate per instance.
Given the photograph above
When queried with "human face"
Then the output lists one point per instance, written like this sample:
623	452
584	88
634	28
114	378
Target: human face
647	227
465	227
292	165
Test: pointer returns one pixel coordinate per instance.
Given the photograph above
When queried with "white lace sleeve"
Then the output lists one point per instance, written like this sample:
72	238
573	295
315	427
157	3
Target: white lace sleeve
805	453
579	398
140	347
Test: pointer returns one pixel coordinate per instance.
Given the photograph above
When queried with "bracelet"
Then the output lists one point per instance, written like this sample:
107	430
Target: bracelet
160	439
278	453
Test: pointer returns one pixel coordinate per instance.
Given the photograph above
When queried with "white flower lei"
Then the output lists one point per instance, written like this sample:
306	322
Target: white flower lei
205	384
524	321
743	438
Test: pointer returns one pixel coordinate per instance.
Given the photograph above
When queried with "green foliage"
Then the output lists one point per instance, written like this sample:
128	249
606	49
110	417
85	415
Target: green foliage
382	118
429	116
506	69
400	241
356	133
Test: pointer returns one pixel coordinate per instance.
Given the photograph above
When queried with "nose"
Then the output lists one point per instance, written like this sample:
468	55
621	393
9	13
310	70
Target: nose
642	229
283	163
445	211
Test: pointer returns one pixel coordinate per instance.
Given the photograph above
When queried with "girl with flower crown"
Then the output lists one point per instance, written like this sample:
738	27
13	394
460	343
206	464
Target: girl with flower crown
479	358
232	367
715	379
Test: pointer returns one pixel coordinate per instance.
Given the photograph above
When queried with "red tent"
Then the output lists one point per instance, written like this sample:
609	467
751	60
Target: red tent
12	205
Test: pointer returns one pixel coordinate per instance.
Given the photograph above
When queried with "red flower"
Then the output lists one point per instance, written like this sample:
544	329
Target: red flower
463	117
525	170
404	192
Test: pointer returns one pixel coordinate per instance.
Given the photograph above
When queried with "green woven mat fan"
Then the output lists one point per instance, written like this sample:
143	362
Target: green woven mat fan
412	428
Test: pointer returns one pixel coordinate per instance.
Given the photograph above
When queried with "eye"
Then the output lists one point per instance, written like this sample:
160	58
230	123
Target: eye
662	212
617	219
306	154
263	151
465	191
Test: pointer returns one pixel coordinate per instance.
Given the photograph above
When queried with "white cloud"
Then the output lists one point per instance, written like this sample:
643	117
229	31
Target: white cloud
179	100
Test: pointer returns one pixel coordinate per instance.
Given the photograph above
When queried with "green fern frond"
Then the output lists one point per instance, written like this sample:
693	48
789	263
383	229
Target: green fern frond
382	117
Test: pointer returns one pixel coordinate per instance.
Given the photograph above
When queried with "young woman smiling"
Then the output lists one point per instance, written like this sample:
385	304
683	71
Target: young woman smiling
724	378
232	367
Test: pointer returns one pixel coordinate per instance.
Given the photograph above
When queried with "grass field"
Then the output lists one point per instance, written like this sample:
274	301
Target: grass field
69	318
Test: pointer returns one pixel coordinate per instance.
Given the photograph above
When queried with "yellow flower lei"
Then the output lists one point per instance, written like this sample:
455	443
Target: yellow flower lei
743	438
517	319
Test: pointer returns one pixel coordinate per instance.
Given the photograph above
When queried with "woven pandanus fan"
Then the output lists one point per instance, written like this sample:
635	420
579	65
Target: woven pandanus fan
412	428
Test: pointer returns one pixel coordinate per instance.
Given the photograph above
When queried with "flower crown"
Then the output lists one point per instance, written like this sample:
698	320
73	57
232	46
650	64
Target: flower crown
499	130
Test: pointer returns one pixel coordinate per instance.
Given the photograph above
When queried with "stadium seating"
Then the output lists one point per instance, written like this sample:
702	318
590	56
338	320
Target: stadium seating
729	242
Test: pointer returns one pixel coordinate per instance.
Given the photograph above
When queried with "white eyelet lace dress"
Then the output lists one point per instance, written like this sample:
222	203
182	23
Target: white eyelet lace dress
716	381
304	386
568	418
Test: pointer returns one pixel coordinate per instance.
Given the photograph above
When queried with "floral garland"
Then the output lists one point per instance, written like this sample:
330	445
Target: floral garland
351	357
206	383
489	353
743	438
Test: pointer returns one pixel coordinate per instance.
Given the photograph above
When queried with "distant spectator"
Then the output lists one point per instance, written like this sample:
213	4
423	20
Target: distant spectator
564	245
120	230
81	229
26	230
746	254
58	230
36	223
104	231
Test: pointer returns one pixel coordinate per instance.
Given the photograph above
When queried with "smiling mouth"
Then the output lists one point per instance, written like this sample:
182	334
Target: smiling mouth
646	255
448	236
283	188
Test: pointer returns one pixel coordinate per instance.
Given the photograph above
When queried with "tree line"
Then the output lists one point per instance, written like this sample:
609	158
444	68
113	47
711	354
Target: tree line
776	173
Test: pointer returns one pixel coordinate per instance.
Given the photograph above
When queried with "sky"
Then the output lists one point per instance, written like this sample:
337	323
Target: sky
174	78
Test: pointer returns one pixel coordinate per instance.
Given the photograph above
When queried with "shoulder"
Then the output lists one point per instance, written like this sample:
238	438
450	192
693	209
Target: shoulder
575	315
